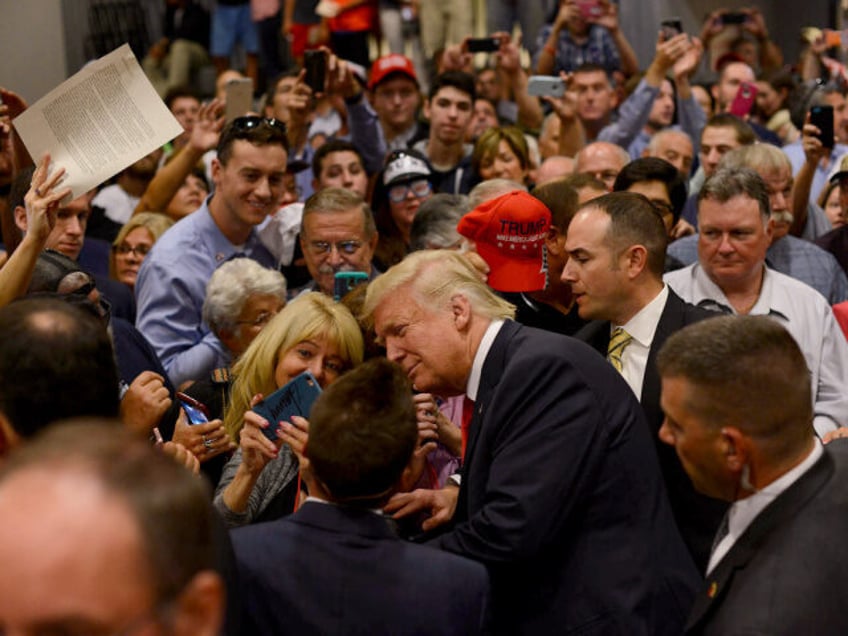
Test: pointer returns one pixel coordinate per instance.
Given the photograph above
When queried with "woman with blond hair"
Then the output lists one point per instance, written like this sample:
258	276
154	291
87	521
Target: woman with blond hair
132	244
313	334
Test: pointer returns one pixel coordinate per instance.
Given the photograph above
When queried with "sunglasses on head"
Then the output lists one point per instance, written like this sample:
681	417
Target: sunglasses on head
249	122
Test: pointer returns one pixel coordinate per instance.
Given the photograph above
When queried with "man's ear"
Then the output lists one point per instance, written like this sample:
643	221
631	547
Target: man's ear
216	171
200	606
20	218
461	311
635	260
736	449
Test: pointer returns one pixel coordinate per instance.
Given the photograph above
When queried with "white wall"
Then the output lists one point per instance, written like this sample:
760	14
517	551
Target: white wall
32	46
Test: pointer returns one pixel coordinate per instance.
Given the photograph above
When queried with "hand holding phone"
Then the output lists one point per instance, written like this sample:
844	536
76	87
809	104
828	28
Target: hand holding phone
294	398
545	86
195	411
315	63
744	100
822	118
483	45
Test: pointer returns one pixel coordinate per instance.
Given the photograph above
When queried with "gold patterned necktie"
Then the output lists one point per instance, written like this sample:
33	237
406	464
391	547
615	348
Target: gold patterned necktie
618	341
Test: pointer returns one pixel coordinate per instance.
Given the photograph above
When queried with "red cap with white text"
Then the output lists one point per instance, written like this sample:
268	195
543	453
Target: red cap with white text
510	232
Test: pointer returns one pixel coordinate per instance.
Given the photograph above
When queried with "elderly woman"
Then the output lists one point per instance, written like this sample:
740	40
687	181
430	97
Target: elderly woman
132	244
501	153
313	334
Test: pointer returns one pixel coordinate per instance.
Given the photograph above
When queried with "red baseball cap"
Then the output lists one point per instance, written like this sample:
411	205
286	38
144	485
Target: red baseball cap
394	63
510	235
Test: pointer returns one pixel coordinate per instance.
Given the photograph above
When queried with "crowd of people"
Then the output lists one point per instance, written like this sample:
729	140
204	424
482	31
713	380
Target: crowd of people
577	324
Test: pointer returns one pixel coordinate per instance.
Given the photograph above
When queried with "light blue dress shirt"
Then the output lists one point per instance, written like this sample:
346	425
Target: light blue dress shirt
171	287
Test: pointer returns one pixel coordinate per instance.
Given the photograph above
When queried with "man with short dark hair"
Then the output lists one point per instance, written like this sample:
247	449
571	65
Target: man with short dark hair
732	277
352	568
249	174
449	108
660	182
776	557
103	534
616	249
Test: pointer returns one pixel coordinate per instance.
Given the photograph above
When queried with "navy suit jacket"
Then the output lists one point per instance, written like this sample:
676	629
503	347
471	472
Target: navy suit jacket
562	497
697	515
333	570
784	575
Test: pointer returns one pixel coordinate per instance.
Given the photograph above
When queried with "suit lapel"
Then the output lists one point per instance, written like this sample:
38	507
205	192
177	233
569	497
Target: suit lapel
781	511
670	321
490	376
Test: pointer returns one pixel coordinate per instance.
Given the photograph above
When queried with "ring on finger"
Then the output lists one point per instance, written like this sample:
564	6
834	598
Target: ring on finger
207	442
38	192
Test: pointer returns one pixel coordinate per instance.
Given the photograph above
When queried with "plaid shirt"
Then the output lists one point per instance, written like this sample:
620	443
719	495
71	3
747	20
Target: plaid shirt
599	48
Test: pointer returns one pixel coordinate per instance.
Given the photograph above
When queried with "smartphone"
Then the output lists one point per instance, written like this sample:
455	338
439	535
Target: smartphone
315	63
483	45
545	86
671	27
294	398
195	411
744	100
590	9
345	281
733	17
239	95
822	118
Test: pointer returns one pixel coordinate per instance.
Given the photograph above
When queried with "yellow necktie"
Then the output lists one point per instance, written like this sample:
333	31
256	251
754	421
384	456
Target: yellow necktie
618	341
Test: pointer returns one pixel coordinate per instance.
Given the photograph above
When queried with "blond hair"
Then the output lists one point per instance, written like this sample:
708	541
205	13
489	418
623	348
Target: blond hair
434	277
153	222
312	315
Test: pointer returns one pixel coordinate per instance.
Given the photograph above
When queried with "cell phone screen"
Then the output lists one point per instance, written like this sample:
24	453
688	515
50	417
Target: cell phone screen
315	63
822	118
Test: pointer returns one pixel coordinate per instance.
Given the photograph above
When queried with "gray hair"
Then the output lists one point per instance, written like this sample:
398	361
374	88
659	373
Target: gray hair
231	285
434	225
728	183
492	189
761	158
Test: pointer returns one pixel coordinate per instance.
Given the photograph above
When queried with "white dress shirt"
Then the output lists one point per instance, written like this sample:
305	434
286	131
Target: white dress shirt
480	357
641	328
806	315
742	513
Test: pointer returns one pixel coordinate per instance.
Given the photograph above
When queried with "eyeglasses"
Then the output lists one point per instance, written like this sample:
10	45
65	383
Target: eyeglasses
140	250
348	248
420	188
260	321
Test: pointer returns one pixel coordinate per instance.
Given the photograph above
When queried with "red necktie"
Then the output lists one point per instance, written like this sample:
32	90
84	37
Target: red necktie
467	414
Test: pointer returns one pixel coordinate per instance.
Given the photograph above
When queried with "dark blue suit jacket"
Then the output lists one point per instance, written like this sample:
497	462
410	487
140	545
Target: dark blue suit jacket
784	575
562	497
697	515
333	570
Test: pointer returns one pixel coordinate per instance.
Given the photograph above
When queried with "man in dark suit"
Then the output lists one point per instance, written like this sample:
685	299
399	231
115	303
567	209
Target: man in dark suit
335	566
737	398
616	246
561	495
